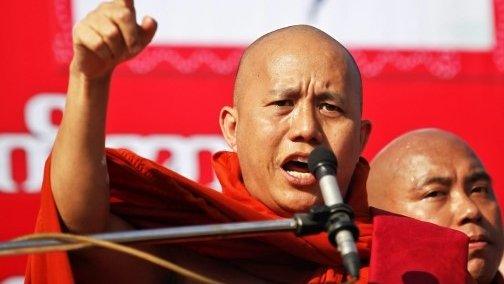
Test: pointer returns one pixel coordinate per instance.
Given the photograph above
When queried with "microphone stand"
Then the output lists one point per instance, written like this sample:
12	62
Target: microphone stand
319	218
173	234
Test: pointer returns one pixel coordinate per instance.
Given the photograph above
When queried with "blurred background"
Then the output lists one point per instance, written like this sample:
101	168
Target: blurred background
425	63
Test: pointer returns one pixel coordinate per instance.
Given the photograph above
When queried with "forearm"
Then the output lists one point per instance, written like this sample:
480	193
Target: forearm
106	37
79	176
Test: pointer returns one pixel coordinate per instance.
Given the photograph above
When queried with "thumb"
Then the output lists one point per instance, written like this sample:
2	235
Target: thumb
147	30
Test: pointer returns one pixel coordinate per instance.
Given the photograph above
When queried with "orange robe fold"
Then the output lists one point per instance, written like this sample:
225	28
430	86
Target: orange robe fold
147	195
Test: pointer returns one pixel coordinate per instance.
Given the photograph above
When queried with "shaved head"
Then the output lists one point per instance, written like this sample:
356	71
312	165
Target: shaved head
404	152
296	88
434	176
298	36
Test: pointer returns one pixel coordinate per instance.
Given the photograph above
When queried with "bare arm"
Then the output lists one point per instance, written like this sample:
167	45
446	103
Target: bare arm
107	36
78	169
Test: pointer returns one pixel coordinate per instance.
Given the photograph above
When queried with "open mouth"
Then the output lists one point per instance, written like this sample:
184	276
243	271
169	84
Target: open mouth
297	171
296	167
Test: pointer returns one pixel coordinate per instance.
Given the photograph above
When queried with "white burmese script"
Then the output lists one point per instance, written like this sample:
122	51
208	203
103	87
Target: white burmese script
37	144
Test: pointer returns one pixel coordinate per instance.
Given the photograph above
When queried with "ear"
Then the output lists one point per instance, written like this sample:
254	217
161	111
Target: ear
228	121
365	131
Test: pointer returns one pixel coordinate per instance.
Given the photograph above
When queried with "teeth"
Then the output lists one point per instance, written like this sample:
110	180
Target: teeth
300	159
299	174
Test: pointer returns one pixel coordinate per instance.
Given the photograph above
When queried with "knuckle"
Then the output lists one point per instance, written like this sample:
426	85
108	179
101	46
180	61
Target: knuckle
124	15
95	43
79	33
111	32
94	46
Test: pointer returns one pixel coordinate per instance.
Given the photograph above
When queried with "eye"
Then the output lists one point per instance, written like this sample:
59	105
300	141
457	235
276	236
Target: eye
329	107
283	103
435	194
480	189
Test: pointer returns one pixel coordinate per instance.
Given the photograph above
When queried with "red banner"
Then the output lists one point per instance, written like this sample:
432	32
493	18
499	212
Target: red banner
165	103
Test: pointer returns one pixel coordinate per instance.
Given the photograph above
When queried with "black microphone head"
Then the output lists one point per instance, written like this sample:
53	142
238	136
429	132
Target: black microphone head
321	156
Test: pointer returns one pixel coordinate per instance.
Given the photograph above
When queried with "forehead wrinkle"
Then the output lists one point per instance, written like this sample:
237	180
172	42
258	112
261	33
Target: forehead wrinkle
287	91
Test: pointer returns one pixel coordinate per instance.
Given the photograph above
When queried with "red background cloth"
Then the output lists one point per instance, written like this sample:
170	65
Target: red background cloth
403	90
409	251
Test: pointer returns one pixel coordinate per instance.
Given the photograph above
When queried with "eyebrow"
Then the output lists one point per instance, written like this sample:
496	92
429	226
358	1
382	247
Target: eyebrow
472	178
292	91
288	91
477	176
437	180
330	96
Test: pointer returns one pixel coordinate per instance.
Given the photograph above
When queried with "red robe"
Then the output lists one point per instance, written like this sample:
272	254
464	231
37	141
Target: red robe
148	195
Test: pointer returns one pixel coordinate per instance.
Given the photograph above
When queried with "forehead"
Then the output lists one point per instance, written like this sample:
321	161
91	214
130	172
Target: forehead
293	71
292	62
448	162
322	66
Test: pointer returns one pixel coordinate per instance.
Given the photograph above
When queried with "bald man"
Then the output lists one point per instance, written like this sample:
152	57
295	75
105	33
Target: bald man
434	176
296	88
289	97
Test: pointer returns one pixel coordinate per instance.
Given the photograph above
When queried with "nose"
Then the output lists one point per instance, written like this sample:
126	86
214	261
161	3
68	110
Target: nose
305	126
467	211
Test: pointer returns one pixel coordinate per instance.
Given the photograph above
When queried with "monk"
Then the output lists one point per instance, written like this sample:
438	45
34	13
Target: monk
434	176
296	88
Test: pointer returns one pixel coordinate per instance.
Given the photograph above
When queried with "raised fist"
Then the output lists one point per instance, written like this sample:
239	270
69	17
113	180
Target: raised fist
108	36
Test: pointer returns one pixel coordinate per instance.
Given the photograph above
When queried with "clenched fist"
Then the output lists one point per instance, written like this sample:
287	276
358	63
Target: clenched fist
108	36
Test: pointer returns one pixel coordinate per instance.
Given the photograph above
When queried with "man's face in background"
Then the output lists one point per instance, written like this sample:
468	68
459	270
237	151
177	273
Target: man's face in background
440	180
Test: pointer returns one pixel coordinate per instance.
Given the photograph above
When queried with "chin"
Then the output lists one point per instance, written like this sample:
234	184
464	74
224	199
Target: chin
301	203
480	270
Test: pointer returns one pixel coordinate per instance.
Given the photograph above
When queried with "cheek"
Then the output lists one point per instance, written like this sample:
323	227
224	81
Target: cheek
344	137
344	140
266	135
492	213
258	137
493	220
424	211
254	129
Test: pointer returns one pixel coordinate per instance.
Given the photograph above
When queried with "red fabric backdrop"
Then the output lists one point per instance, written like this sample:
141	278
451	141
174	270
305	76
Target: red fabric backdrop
461	92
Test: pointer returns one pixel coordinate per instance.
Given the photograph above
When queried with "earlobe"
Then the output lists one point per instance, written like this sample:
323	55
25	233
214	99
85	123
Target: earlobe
228	121
365	131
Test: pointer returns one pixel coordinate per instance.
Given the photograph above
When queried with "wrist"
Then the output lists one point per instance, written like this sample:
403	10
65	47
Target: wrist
77	75
87	89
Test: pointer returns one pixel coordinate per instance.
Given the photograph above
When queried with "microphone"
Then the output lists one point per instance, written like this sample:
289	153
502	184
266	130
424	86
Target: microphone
342	232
